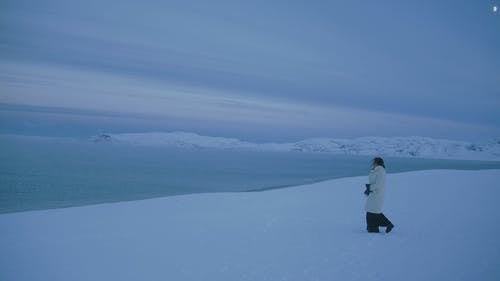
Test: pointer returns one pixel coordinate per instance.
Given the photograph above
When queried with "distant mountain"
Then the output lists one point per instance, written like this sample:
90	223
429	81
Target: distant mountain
417	147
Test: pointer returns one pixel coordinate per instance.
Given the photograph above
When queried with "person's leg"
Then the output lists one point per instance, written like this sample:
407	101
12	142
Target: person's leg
384	221
372	222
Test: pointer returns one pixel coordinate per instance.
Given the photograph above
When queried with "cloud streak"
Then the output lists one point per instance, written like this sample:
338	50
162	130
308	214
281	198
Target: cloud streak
130	97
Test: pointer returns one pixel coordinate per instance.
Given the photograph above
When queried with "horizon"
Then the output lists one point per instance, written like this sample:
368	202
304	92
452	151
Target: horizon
29	120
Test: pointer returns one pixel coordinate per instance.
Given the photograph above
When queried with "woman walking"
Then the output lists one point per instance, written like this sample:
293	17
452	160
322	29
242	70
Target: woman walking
375	191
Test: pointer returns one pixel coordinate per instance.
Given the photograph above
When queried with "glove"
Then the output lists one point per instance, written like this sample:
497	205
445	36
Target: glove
367	191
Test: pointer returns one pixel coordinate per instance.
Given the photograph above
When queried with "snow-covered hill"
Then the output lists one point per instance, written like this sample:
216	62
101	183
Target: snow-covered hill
418	147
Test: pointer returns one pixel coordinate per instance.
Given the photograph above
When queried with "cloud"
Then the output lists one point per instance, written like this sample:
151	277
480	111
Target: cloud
258	62
79	89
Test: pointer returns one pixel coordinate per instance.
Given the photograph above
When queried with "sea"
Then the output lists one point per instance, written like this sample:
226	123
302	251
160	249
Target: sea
43	173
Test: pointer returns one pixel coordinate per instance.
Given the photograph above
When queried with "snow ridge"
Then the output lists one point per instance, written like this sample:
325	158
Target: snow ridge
414	147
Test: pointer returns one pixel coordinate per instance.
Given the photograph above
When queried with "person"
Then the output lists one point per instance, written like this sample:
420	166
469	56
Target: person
375	192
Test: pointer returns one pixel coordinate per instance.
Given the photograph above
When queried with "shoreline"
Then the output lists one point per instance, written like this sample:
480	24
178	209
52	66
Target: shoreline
284	187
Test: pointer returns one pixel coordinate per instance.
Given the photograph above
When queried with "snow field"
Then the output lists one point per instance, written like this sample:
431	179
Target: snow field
446	229
413	147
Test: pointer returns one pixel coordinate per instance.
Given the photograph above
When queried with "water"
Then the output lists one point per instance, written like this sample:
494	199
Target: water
43	174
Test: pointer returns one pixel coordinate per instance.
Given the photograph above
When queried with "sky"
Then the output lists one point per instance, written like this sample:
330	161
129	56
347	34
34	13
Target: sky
256	70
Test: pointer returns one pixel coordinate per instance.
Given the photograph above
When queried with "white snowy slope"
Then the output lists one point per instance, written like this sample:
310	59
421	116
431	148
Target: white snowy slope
446	229
420	147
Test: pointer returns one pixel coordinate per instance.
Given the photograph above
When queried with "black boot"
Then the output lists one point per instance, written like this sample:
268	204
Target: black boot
389	228
373	229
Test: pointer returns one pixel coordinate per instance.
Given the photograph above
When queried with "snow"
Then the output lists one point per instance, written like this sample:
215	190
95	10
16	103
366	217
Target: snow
446	229
415	147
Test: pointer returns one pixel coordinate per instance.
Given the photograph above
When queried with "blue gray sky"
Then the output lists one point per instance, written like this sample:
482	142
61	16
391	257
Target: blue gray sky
258	70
